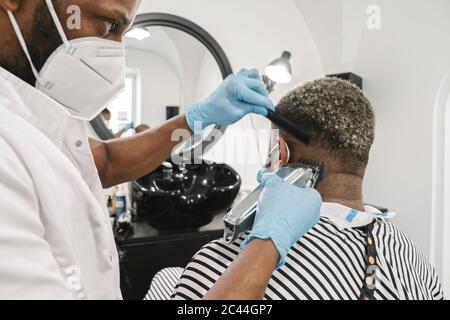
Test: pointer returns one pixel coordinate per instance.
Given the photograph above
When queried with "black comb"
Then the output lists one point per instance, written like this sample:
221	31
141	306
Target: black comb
289	127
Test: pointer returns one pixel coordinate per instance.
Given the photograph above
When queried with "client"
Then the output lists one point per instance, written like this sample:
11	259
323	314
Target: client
353	252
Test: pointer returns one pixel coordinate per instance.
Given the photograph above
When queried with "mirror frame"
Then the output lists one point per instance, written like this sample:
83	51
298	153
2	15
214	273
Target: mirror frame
182	24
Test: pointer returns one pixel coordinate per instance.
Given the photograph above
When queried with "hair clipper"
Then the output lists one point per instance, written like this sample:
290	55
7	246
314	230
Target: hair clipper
241	218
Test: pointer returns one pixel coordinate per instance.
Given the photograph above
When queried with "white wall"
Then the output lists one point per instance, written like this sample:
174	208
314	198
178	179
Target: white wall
160	85
183	56
324	19
191	54
209	77
440	223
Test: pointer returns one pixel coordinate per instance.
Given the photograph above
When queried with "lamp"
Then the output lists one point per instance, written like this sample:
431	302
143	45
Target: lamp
138	34
279	71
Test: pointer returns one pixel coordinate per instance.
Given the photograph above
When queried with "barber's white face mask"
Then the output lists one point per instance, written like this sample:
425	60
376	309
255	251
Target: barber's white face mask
83	75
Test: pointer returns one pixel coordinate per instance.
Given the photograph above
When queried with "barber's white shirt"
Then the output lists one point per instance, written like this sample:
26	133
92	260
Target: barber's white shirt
56	240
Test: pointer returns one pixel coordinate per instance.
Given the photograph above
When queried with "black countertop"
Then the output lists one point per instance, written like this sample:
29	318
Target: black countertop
144	232
149	250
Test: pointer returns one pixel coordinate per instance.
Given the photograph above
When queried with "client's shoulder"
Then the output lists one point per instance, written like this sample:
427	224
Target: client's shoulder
386	231
399	252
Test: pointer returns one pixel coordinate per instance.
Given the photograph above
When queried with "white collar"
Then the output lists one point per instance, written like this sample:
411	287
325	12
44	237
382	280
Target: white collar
345	217
37	108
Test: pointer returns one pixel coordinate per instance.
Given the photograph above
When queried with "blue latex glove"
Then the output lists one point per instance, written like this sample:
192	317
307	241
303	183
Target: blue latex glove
129	126
239	95
285	214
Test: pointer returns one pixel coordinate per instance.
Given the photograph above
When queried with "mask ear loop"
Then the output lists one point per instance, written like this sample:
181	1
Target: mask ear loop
285	152
21	39
268	162
288	152
58	24
23	44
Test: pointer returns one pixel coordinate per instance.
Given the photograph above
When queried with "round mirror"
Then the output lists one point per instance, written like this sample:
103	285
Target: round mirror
171	64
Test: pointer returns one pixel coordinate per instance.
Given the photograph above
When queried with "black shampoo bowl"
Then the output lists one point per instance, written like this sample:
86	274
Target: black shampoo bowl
184	197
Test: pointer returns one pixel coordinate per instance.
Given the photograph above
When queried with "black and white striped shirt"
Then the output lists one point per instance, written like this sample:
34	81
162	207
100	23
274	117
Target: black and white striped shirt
328	263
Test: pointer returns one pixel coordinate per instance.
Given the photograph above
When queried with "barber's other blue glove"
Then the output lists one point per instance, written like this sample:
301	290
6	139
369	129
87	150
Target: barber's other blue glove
239	95
285	214
129	126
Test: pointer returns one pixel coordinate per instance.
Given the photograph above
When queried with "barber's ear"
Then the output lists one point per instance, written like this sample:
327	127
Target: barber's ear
284	152
10	5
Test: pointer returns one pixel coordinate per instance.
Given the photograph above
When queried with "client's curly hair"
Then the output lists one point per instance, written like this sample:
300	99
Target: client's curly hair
336	113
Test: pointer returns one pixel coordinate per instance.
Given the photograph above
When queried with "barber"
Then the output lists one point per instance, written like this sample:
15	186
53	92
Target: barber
54	234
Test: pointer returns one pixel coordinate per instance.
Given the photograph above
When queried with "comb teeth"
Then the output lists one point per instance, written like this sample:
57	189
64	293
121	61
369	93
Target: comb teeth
314	163
311	163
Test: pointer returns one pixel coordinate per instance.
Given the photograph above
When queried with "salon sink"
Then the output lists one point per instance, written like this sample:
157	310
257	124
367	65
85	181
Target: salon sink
184	197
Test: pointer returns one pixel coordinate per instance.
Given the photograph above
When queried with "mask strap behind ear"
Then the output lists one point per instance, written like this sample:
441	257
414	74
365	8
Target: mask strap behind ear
21	39
58	25
288	152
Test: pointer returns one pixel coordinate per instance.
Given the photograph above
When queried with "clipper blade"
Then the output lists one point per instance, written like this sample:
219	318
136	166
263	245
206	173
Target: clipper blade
316	165
240	219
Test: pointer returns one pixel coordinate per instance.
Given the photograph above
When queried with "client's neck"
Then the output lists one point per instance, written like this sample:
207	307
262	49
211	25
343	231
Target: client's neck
342	188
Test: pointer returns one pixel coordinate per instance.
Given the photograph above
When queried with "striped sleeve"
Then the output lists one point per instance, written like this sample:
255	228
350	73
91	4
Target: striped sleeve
205	269
163	284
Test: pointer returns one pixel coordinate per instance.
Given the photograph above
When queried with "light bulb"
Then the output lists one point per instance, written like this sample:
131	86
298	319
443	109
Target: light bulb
278	73
138	34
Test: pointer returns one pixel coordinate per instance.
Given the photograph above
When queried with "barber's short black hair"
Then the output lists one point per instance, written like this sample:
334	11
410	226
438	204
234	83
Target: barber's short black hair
334	112
106	111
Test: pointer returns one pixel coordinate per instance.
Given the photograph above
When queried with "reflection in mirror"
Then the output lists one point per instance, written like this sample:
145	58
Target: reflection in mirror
171	64
167	71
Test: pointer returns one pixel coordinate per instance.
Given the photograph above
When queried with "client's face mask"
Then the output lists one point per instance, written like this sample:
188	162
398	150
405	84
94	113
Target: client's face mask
83	75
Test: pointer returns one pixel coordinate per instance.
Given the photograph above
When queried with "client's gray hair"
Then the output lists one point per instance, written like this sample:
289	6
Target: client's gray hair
334	111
